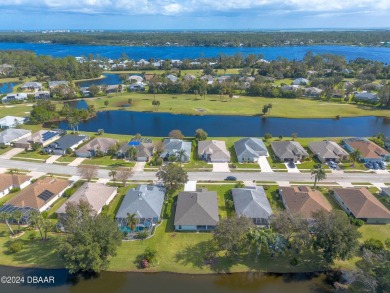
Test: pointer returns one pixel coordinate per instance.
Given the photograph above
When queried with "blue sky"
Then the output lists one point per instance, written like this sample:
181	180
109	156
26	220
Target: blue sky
192	14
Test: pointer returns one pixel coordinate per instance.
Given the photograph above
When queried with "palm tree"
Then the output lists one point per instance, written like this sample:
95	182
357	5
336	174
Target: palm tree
132	221
36	221
112	174
354	156
5	217
17	215
260	240
319	174
181	153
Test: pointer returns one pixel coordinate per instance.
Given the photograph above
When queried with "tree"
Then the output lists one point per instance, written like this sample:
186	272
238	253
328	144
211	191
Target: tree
88	171
132	153
173	176
17	215
100	131
156	104
123	174
354	156
132	221
106	103
335	237
294	136
176	134
267	136
265	109
200	134
159	146
94	90
319	174
180	155
84	248
41	222
4	216
261	241
231	235
113	174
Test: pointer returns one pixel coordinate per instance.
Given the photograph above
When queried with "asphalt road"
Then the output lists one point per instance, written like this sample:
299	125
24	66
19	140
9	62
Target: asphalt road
244	176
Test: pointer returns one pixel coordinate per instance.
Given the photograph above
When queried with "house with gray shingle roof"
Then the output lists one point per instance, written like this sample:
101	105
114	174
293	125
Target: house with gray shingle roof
60	146
252	202
367	97
196	211
11	135
146	201
213	151
386	191
288	151
327	151
32	86
98	144
11	121
172	147
300	81
250	149
18	97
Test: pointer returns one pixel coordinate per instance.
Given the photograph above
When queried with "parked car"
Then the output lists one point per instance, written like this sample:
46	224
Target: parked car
231	178
291	164
375	166
369	165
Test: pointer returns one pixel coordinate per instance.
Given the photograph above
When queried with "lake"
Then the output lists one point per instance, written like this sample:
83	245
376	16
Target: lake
7	87
160	124
115	282
270	53
109	79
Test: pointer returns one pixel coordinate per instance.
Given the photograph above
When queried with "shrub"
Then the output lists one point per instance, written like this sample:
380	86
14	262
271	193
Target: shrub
150	254
239	185
229	204
16	246
16	189
266	187
141	235
294	262
387	243
373	245
356	222
32	236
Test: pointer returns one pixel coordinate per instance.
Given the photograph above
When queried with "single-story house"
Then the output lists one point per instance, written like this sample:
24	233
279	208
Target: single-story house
327	151
300	81
208	78
137	86
10	181
42	95
55	83
313	92
303	200
135	78
370	152
361	204
189	77
39	196
144	147
96	194
386	191
11	135
146	202
172	78
288	151
11	121
366	96
196	211
41	137
32	86
98	144
387	142
223	78
252	202
14	97
68	141
290	87
173	146
114	88
213	151
250	149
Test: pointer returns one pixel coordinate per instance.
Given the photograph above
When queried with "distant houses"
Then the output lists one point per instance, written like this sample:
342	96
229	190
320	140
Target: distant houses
285	151
18	97
366	97
55	83
370	152
213	151
32	86
327	151
250	149
196	211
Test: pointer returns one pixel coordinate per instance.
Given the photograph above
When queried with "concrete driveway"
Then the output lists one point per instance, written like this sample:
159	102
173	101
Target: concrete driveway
52	159
139	167
11	153
76	162
292	170
190	186
221	167
264	165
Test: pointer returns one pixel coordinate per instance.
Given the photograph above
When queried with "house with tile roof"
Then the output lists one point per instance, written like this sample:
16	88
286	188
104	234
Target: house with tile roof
362	204
370	152
286	151
10	181
249	149
303	200
213	151
327	151
252	202
196	211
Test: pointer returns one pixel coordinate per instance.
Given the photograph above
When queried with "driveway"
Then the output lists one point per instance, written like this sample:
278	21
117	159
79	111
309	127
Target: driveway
221	167
264	165
139	167
292	170
190	186
52	159
11	153
76	162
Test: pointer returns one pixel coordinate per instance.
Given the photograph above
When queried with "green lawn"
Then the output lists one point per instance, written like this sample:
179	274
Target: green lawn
114	205
4	150
66	158
108	162
275	202
32	155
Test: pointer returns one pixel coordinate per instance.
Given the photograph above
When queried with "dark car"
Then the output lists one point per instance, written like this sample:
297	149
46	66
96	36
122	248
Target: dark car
291	165
231	178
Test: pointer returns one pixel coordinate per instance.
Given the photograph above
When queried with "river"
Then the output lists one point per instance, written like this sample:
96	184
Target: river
270	53
165	282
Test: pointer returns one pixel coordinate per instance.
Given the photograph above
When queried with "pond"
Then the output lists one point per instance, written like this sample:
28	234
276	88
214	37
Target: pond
109	79
160	124
7	87
115	282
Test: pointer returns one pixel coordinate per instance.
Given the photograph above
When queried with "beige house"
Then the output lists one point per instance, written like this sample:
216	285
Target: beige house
327	151
213	151
10	181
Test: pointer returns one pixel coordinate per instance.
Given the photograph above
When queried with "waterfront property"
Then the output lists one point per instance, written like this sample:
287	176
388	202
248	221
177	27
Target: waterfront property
285	151
213	151
96	194
362	204
55	83
42	95
146	202
196	210
67	142
327	151
370	152
95	147
11	121
32	86
176	148
10	135
303	200
18	97
11	181
144	146
41	137
39	196
250	149
367	97
252	202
